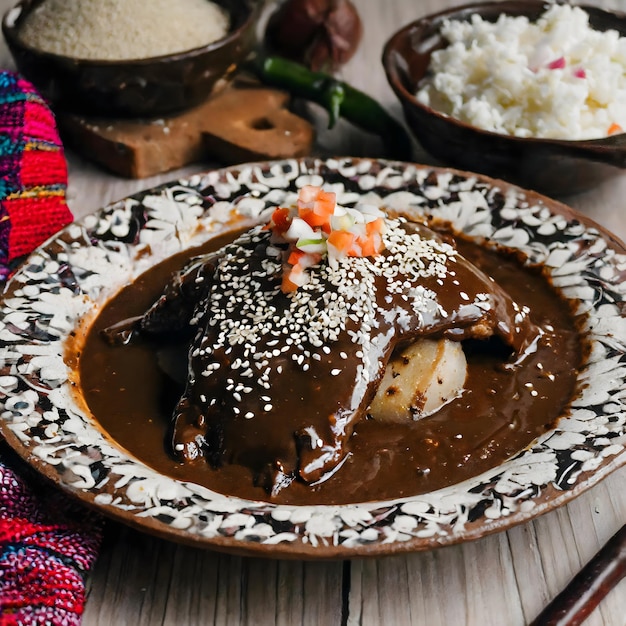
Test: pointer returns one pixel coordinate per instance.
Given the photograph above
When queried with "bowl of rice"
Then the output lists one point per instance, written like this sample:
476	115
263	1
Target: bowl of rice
129	58
528	91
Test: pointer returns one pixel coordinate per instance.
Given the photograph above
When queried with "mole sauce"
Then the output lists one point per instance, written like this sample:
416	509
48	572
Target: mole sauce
132	398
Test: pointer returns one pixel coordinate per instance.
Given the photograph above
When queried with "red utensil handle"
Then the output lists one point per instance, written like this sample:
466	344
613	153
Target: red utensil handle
585	591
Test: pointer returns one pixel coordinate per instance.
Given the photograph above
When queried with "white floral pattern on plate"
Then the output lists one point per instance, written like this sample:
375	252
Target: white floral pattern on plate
66	280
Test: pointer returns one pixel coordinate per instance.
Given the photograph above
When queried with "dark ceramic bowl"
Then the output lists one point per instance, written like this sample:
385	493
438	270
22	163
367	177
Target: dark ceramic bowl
557	167
135	88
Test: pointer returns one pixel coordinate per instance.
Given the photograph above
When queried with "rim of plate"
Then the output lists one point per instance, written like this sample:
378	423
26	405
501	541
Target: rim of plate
59	288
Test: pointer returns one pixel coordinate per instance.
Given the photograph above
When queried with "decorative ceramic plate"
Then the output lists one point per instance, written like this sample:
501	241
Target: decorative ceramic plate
69	278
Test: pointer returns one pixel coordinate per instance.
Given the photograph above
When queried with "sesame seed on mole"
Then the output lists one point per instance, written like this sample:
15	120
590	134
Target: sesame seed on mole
247	316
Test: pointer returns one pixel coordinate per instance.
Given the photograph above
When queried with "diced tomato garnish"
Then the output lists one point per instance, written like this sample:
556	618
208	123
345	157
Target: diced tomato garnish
368	246
375	226
342	240
614	129
295	256
280	220
354	236
286	285
316	209
311	218
308	193
325	203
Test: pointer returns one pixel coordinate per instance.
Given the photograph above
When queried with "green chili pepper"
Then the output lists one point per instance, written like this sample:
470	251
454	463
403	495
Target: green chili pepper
337	97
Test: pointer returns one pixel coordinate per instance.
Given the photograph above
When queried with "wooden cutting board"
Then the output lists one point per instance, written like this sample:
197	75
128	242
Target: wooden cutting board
236	125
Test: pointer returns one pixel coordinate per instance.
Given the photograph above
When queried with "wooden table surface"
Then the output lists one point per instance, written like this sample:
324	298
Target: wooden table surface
504	579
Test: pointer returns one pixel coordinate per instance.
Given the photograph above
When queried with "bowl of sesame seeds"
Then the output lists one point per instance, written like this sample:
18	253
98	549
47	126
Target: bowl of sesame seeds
128	58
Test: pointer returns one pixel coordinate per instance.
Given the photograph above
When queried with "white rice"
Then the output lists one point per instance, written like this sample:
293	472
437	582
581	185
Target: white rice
115	30
555	78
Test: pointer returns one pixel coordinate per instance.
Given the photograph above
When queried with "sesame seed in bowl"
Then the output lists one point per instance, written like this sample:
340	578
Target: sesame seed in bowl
129	59
119	30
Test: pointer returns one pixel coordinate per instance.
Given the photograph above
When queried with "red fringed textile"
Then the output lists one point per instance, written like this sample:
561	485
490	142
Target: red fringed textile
33	172
47	542
47	546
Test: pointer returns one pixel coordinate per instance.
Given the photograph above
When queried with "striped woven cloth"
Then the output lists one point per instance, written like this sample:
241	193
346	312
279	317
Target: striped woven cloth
33	172
47	543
